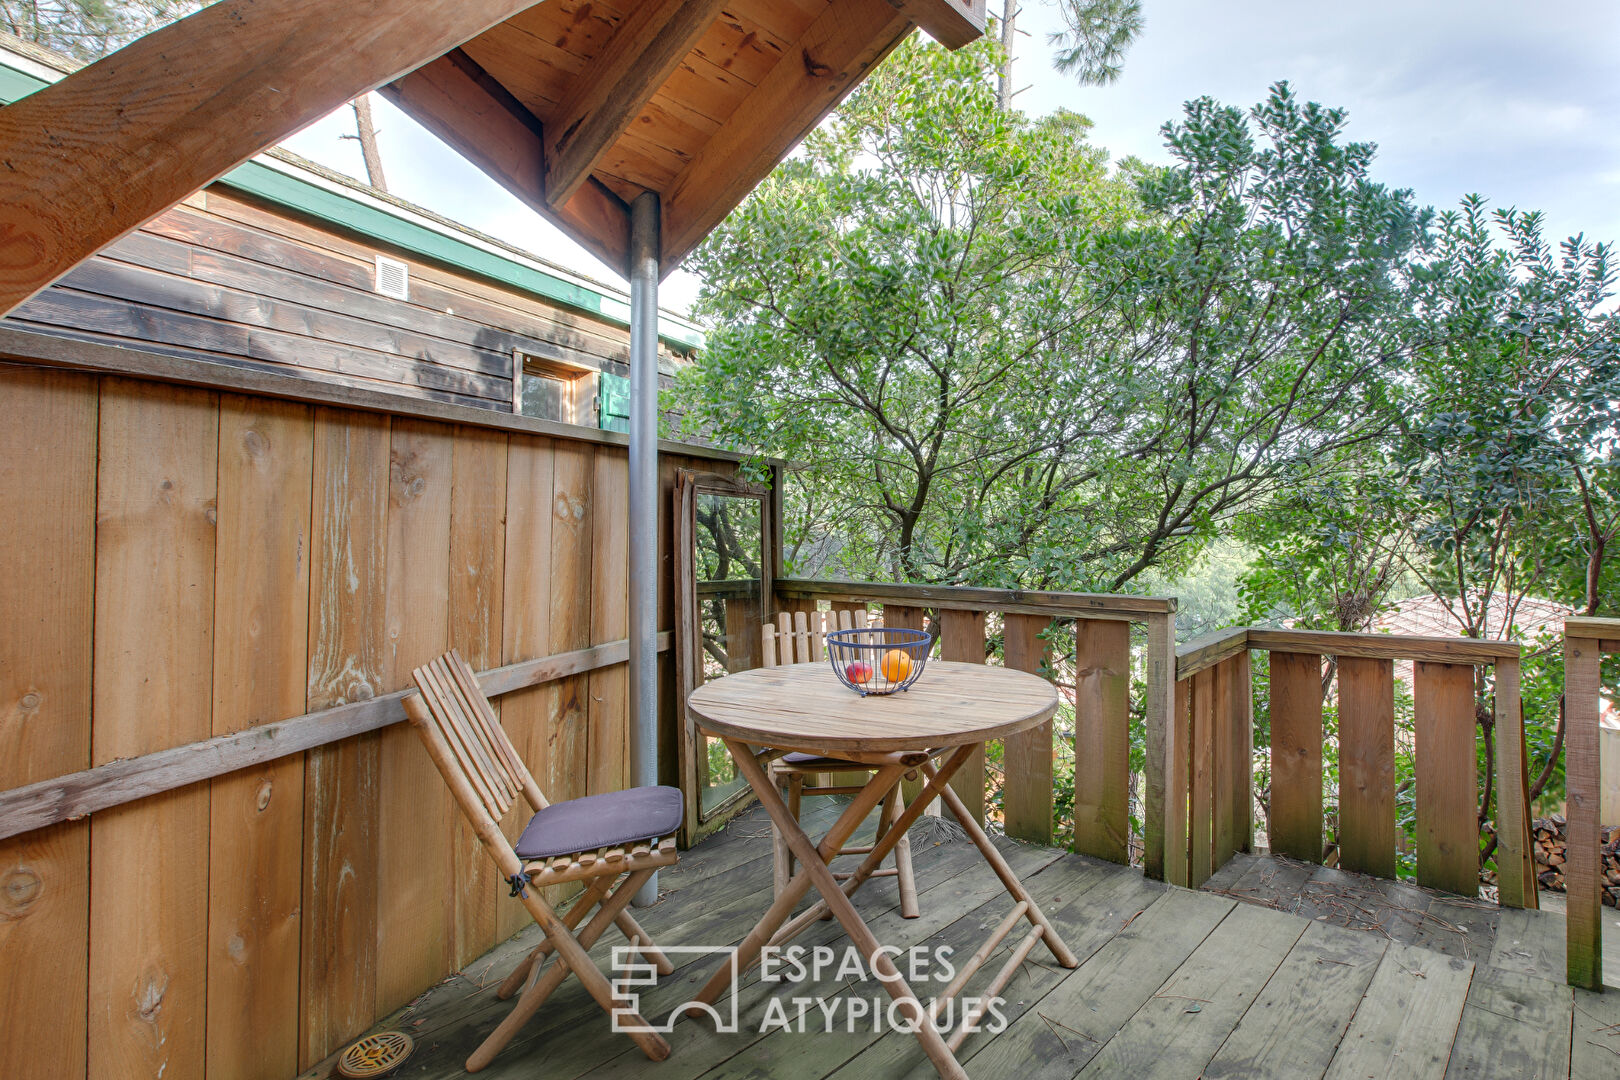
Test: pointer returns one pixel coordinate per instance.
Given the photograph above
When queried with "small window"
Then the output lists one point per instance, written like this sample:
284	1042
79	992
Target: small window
553	391
393	278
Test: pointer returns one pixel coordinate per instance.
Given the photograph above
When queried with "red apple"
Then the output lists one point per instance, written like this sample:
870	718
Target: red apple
859	672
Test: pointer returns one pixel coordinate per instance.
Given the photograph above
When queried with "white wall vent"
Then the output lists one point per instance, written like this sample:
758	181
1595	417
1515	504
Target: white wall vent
393	278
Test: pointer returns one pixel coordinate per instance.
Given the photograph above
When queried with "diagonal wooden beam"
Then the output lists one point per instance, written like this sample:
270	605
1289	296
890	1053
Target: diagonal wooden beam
835	53
643	53
478	118
952	23
90	158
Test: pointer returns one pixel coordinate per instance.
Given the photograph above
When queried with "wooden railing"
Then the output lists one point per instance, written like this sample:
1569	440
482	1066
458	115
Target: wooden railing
1102	634
1585	642
1213	703
1198	806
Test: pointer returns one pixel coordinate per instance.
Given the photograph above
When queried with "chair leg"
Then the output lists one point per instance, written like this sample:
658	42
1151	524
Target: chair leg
902	856
903	874
571	958
780	867
587	900
643	942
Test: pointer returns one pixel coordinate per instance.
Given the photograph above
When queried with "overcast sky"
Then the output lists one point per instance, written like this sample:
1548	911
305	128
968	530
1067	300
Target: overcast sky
1518	101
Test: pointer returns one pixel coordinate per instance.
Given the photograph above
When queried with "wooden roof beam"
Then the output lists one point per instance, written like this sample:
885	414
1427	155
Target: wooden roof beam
836	53
94	156
643	53
952	23
475	115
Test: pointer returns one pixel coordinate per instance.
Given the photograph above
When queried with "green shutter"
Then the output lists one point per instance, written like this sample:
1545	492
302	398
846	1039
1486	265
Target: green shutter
613	392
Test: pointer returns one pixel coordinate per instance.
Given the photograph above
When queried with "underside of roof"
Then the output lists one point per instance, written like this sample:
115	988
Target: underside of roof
579	106
575	106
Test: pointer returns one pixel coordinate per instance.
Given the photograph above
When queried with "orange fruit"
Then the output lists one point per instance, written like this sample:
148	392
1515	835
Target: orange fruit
896	665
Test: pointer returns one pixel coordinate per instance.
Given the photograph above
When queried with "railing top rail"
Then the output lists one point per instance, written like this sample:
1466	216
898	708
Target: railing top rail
1445	650
1606	630
965	598
1207	650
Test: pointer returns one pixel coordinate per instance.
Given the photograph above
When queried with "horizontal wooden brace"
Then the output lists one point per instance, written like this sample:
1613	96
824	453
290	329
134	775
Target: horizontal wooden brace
970	1019
980	955
68	798
963	598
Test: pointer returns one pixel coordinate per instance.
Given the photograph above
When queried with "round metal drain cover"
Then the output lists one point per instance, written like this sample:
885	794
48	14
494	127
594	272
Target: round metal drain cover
376	1055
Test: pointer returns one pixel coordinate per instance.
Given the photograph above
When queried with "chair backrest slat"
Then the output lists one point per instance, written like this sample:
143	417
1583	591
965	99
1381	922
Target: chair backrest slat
475	754
467	679
489	758
443	711
800	637
820	623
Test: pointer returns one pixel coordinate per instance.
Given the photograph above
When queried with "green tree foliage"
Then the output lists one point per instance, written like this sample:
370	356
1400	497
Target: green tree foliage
1002	365
89	29
1095	37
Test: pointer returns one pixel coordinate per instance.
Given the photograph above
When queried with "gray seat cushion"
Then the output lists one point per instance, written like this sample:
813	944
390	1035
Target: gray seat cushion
608	820
796	758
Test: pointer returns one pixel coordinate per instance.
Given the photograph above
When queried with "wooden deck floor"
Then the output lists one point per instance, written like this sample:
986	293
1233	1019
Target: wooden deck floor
1173	983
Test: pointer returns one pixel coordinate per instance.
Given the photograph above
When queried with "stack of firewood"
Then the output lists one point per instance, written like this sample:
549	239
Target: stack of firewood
1550	842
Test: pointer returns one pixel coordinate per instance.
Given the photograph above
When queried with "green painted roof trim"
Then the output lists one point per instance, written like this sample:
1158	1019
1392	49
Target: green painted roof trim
294	193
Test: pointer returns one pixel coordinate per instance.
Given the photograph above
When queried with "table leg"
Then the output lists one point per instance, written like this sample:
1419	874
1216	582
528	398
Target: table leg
882	845
1060	952
815	869
855	813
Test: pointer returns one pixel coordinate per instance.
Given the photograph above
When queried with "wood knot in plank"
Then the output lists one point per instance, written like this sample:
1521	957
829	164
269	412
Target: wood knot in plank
22	888
813	67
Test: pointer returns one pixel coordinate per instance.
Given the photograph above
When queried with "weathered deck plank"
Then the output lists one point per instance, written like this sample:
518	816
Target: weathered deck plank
1180	1028
1061	1032
1089	922
1172	982
1512	1025
1293	1029
1595	1041
1407	1019
1530	943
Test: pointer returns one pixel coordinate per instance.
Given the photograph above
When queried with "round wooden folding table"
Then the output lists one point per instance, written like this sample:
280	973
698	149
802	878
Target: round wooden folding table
949	711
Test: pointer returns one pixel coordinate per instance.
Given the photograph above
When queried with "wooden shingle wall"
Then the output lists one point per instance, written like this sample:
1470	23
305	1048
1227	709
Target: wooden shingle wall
226	278
183	562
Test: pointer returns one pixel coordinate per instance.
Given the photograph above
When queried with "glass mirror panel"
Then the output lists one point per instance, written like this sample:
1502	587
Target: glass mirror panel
730	554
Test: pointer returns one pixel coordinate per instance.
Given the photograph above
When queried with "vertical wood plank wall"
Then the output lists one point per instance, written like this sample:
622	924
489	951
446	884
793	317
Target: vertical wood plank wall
184	563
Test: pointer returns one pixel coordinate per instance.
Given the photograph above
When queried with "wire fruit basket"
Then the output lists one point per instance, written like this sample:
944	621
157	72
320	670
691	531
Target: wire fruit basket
880	659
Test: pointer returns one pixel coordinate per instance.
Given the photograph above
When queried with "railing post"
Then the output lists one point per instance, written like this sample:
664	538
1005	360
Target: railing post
1296	755
1026	794
1515	872
1447	777
1201	800
1102	739
1240	698
1165	812
961	639
1583	922
1367	765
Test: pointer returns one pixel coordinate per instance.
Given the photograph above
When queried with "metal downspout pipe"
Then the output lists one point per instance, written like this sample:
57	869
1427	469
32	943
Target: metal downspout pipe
643	515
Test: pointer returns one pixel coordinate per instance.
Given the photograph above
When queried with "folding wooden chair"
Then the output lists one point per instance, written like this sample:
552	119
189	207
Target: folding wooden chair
596	840
801	638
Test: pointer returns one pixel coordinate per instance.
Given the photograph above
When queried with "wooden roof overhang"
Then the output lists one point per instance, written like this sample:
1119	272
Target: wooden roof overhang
575	106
